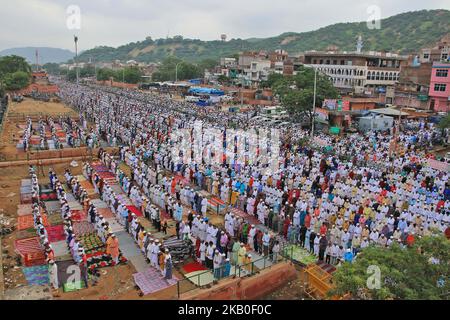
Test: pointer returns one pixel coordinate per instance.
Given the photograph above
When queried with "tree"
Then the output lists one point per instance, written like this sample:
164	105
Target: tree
131	75
166	71
296	92
13	63
85	72
15	72
207	64
445	122
52	68
104	74
271	80
17	80
421	271
223	79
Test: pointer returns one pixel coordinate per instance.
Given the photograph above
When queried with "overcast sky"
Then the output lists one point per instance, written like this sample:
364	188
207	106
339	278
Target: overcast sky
116	22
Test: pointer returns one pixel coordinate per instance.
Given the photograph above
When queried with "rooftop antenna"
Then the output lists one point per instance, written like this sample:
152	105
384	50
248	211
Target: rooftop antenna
359	44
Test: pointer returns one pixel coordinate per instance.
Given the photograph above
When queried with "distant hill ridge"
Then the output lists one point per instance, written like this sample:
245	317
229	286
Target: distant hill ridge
403	33
46	54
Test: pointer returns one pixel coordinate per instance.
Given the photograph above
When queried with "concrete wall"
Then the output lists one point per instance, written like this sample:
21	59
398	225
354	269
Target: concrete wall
249	288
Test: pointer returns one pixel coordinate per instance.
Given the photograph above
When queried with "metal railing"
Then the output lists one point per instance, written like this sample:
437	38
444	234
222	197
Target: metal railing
203	279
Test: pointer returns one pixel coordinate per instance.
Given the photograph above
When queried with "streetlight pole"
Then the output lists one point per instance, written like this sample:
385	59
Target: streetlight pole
75	39
314	103
176	71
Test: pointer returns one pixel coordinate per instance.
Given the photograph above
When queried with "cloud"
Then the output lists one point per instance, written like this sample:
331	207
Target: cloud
117	22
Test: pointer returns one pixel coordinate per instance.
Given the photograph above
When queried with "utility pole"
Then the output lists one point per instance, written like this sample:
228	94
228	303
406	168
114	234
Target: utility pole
397	130
75	39
176	71
314	103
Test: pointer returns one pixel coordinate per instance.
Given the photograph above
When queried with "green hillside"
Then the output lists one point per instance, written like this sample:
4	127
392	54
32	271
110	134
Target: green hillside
404	33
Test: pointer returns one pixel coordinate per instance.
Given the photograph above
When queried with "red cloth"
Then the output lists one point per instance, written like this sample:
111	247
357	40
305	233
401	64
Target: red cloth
194	266
78	215
135	210
56	233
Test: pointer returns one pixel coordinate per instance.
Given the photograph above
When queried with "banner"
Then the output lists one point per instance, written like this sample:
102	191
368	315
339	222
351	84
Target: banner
322	114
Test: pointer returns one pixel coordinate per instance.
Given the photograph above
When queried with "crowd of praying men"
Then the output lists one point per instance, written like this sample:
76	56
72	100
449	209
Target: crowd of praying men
334	204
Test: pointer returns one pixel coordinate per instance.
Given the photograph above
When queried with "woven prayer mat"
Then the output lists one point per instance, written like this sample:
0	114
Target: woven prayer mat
70	197
78	215
25	189
117	189
53	206
74	205
24	209
25	198
106	175
249	218
60	249
151	280
55	219
91	242
25	182
36	275
82	227
99	203
80	178
56	233
106	213
30	245
25	234
27	221
125	200
99	168
86	184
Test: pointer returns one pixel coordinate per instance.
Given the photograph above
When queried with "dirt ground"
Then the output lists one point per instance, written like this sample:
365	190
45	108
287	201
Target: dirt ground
16	115
293	290
33	106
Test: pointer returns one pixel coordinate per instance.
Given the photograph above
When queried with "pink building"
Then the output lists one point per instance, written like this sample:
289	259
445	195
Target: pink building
440	87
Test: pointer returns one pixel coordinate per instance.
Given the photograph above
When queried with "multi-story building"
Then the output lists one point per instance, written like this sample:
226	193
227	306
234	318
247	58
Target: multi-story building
355	71
440	52
440	87
258	70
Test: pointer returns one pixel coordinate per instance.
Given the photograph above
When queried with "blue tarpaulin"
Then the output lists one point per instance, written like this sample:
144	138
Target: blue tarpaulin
202	103
195	81
200	90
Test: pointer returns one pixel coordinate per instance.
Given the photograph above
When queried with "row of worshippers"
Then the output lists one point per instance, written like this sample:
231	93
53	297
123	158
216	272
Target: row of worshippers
27	134
43	235
153	250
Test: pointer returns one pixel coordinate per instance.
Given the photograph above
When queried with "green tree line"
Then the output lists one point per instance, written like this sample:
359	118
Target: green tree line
15	73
